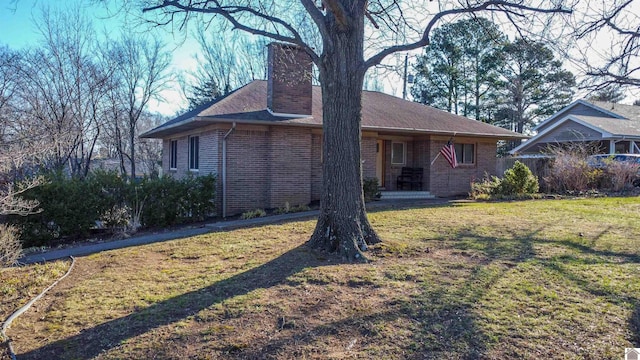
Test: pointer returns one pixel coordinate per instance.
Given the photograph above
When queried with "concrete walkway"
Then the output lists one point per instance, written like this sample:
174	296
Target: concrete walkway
83	250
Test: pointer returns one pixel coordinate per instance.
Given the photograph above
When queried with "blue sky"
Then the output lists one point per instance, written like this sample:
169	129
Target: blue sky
18	31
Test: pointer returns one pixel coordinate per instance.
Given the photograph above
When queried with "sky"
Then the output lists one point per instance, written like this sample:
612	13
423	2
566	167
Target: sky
18	31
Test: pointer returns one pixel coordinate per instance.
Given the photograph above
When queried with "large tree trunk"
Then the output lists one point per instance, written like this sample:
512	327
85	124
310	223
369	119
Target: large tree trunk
343	226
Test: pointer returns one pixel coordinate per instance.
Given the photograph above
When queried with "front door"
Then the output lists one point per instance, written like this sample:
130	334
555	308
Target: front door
380	162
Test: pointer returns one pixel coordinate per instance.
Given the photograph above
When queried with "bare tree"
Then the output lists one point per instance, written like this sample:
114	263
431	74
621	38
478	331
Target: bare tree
140	75
614	23
355	36
225	62
150	150
14	148
61	90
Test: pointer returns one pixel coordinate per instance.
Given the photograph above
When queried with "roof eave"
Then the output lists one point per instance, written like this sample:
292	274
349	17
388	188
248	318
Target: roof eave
166	131
448	133
160	129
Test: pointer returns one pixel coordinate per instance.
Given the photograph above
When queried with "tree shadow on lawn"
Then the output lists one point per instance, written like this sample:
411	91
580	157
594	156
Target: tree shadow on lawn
442	315
520	247
444	323
91	342
440	319
562	266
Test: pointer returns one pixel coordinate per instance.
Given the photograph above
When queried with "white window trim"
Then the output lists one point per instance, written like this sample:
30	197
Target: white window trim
404	152
189	153
171	162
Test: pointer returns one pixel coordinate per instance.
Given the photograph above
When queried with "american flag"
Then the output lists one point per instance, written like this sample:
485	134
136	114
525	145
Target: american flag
449	152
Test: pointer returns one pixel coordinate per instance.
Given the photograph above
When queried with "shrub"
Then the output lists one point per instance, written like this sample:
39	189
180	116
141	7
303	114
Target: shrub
485	188
570	171
167	201
253	214
519	181
620	174
198	200
287	209
71	206
371	189
10	248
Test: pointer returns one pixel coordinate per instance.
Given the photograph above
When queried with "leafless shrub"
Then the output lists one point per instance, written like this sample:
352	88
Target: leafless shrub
570	171
10	247
620	174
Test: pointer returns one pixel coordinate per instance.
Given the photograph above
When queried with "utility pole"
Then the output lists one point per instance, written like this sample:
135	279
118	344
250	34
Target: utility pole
404	86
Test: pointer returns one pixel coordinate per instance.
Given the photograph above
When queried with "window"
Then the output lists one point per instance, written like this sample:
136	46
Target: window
465	153
173	155
398	155
194	152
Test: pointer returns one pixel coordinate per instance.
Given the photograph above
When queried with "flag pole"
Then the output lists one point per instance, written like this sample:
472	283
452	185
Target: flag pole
436	158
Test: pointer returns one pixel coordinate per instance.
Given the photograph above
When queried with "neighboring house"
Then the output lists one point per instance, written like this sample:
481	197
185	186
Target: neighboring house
264	141
615	128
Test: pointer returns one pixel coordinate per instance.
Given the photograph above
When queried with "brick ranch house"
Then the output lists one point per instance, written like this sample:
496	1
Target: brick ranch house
264	141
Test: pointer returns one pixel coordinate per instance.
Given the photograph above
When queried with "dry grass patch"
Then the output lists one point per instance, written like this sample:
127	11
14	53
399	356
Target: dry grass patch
18	285
537	279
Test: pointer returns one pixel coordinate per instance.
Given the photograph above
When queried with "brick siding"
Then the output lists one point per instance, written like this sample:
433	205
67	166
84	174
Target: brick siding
270	166
316	167
247	170
368	154
446	181
289	158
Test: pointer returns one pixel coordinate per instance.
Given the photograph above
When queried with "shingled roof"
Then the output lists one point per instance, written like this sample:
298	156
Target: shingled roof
612	126
380	112
631	112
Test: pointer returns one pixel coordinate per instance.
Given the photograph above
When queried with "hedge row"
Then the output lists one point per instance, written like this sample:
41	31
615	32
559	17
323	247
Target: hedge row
71	207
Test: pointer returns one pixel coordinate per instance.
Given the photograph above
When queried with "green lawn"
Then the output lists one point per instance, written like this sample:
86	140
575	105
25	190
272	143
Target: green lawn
533	279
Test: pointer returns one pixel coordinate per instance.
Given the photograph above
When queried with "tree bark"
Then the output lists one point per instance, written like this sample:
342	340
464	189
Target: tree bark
343	226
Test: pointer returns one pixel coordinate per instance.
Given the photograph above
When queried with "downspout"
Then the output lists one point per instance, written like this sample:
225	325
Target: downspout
224	170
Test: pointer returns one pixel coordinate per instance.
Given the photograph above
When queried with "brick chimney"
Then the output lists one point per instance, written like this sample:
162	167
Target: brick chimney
288	80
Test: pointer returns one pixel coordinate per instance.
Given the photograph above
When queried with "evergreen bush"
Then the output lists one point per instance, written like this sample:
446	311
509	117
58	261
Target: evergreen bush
72	207
518	182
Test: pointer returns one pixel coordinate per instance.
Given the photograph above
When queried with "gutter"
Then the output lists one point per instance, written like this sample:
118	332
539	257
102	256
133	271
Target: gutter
224	169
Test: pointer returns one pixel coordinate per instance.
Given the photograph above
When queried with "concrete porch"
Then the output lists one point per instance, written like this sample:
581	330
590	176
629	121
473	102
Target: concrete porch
399	195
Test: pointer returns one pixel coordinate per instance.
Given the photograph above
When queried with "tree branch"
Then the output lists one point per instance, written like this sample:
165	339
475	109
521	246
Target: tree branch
316	16
495	5
229	12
